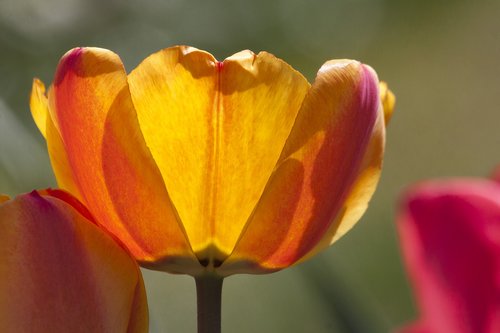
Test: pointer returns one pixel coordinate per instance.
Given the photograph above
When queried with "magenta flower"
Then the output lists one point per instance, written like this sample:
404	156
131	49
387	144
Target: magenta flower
450	236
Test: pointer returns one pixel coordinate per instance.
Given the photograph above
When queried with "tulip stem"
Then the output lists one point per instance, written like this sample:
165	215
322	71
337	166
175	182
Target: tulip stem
208	293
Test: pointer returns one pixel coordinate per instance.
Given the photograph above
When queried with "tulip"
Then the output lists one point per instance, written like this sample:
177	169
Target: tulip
232	166
450	236
214	168
60	272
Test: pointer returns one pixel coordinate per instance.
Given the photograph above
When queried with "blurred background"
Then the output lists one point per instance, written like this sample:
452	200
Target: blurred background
441	59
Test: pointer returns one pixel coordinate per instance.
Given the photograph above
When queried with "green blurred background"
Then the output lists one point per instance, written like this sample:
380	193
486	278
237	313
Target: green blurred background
439	57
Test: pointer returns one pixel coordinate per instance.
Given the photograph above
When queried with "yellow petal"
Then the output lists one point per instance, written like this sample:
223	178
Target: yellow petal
216	130
112	166
324	162
39	105
60	273
388	101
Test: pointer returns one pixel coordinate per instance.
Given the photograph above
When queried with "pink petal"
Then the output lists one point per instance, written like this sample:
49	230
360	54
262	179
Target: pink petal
450	234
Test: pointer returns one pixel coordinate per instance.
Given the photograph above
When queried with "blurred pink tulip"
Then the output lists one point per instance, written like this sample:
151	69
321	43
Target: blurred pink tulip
450	236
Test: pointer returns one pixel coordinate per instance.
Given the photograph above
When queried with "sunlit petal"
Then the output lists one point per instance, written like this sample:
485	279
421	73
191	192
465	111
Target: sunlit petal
334	149
40	110
216	130
361	190
388	101
39	105
111	164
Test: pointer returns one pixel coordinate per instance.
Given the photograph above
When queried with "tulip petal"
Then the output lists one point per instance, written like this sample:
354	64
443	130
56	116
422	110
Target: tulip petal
38	105
450	235
388	101
326	173
216	130
361	190
60	273
111	164
40	110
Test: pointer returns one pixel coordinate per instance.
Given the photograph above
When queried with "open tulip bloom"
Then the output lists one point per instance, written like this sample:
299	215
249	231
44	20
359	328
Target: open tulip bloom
212	168
450	235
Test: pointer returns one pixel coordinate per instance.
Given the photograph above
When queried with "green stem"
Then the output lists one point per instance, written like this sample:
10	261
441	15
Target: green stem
208	294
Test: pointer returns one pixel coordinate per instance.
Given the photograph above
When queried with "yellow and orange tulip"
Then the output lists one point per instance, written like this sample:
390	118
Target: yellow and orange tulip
61	273
199	165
